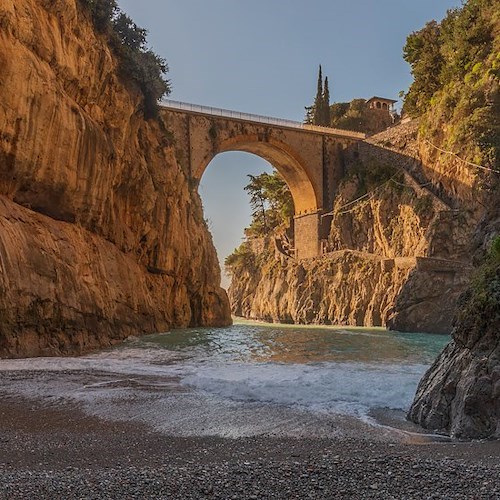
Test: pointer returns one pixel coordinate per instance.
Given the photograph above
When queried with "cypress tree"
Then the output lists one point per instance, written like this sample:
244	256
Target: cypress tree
326	105
318	101
319	92
319	112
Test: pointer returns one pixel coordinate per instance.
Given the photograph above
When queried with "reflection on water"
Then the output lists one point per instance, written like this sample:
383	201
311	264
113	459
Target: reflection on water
247	342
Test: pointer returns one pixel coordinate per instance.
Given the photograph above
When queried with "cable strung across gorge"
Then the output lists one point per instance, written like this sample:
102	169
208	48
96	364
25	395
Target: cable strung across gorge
461	159
370	194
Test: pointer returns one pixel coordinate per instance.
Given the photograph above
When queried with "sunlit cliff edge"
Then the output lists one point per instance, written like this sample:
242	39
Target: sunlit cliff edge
101	231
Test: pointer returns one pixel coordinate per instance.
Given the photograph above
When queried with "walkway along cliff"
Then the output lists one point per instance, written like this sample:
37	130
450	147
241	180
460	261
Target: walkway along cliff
101	230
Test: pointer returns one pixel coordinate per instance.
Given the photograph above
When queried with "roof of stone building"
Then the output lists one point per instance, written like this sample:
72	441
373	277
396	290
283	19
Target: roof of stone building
376	98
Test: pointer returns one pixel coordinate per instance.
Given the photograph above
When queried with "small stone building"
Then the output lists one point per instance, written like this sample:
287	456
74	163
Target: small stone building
380	104
380	114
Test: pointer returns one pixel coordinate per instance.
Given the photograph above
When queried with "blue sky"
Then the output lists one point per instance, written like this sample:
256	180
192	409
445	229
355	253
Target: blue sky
262	57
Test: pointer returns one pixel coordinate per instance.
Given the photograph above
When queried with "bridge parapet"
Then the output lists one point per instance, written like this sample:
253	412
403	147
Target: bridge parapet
248	117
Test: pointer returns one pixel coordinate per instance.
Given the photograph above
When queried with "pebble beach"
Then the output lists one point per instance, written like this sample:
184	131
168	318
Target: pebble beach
56	451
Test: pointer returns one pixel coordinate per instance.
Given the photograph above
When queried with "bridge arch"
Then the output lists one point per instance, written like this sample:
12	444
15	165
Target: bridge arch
309	158
280	156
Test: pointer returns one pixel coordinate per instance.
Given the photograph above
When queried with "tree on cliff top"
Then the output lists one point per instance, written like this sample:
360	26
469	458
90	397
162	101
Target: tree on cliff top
272	206
325	111
102	12
456	71
422	52
354	115
129	43
319	112
271	203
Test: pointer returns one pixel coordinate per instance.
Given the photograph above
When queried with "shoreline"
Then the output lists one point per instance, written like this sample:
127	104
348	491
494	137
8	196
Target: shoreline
123	425
48	448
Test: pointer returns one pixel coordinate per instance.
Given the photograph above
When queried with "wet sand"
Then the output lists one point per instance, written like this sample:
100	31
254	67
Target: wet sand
55	450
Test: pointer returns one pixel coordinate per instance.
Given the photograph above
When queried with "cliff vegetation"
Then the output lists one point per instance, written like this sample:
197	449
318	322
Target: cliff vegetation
128	41
354	115
456	70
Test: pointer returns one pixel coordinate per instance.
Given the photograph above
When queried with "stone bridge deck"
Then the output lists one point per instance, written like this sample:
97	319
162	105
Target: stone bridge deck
248	117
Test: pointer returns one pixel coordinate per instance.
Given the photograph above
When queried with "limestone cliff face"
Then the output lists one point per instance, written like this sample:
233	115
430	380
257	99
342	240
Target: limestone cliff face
397	254
342	288
460	393
102	233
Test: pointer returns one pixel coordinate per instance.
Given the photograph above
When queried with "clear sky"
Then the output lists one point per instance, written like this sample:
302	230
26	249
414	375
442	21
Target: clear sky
262	57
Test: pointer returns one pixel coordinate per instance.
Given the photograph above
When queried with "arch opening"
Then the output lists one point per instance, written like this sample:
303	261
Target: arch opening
226	206
305	198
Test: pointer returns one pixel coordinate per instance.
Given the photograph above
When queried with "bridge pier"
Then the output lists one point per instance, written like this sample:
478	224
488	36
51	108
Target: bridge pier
307	235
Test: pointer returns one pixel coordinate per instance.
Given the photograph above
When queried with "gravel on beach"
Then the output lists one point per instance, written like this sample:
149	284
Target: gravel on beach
61	453
328	476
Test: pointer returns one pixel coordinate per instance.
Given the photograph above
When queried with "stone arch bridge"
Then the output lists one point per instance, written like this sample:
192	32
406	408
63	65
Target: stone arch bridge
308	157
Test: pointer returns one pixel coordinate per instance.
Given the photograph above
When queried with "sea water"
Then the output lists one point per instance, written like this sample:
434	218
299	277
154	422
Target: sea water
244	380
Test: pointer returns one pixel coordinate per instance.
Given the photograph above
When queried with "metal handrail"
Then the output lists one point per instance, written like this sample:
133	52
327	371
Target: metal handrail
227	113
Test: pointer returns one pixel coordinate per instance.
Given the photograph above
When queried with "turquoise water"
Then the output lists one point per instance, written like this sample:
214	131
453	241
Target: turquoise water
244	380
320	369
247	341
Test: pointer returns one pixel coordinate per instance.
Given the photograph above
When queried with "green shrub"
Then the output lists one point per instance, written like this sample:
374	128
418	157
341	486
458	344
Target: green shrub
456	70
495	249
485	290
129	43
242	257
480	307
102	12
271	203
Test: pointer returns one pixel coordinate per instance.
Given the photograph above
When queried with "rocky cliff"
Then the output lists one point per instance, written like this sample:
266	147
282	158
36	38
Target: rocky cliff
102	233
460	394
397	253
341	288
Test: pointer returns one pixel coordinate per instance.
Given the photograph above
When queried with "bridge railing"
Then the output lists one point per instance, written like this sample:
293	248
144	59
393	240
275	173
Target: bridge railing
227	113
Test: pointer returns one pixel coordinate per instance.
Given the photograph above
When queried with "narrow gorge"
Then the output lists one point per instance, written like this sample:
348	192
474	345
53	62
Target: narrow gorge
102	230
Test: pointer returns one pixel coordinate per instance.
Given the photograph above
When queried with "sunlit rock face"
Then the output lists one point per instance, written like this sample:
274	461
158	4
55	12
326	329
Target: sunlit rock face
397	254
102	234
